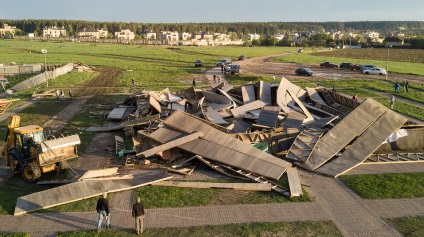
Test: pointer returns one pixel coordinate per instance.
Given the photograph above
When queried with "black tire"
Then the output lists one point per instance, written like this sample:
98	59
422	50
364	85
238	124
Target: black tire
367	73
30	172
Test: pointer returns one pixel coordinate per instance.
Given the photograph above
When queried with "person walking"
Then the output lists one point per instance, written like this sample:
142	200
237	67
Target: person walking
222	68
392	101
214	78
70	95
62	95
103	211
138	215
397	87
406	86
219	79
194	82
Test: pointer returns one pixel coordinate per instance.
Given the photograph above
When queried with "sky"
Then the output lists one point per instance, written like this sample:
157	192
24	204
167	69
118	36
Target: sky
204	11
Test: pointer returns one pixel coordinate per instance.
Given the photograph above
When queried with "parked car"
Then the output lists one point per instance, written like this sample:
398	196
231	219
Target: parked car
224	62
303	71
300	50
328	64
198	63
235	68
242	58
355	67
346	65
366	66
375	71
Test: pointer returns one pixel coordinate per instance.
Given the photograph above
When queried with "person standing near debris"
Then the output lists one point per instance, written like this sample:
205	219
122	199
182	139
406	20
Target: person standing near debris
334	89
70	95
406	86
222	68
219	79
214	78
138	215
57	94
103	211
355	97
194	82
273	79
397	87
62	94
392	101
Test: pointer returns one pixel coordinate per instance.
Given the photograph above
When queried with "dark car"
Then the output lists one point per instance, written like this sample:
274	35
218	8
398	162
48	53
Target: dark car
346	65
224	62
198	63
235	68
355	67
242	58
303	71
328	64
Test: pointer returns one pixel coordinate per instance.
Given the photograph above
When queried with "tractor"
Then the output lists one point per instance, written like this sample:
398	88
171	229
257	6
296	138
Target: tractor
27	150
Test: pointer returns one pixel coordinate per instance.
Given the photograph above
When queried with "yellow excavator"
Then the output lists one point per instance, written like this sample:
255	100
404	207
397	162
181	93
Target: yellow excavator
28	151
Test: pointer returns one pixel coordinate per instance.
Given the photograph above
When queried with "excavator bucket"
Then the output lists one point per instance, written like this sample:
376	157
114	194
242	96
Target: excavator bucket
59	149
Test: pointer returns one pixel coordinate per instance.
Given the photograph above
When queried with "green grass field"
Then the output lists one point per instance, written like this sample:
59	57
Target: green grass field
295	229
381	186
412	226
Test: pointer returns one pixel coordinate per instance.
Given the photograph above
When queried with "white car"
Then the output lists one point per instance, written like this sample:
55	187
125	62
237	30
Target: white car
375	71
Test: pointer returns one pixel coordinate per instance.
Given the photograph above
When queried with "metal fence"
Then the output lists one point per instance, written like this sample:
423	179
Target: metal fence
43	77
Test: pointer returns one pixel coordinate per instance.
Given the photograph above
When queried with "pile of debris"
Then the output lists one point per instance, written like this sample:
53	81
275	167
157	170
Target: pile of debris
313	128
255	132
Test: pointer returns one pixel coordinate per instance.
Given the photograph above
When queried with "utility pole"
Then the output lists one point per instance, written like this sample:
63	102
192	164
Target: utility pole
387	61
44	51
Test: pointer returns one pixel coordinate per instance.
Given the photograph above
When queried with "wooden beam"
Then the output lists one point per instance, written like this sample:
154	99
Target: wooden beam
294	182
236	186
171	144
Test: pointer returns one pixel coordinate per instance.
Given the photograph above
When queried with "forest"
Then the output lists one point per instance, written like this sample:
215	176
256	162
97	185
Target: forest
240	28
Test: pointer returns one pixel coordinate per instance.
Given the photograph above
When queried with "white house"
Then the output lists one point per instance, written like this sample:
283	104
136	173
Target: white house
253	36
125	34
54	31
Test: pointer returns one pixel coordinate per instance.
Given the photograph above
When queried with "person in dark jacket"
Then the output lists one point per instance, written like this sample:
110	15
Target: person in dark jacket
103	211
138	215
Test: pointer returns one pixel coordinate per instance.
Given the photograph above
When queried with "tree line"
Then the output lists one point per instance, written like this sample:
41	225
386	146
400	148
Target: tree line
240	28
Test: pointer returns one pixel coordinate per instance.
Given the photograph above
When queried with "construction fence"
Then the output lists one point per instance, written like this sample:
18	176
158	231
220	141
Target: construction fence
43	77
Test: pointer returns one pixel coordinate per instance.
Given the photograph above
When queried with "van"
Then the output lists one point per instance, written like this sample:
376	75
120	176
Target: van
366	66
300	50
224	62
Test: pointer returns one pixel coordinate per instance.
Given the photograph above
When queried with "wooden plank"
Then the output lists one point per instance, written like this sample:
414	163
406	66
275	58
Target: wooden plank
269	116
294	182
99	173
83	190
304	144
365	145
210	114
283	98
144	120
265	92
304	109
351	126
155	104
248	93
313	94
293	120
242	110
170	144
117	113
320	123
219	146
236	186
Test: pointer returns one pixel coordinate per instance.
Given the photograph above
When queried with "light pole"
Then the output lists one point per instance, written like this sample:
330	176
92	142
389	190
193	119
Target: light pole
387	61
44	51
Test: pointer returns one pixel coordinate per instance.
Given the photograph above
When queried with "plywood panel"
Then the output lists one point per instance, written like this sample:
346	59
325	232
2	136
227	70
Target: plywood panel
99	173
294	182
83	190
248	93
242	110
283	98
293	120
265	92
269	116
143	120
365	145
351	126
236	186
220	146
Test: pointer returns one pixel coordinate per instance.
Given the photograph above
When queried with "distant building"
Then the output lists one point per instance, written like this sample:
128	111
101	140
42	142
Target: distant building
185	36
92	33
253	36
221	37
168	37
125	34
372	34
7	28
150	35
54	31
393	41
